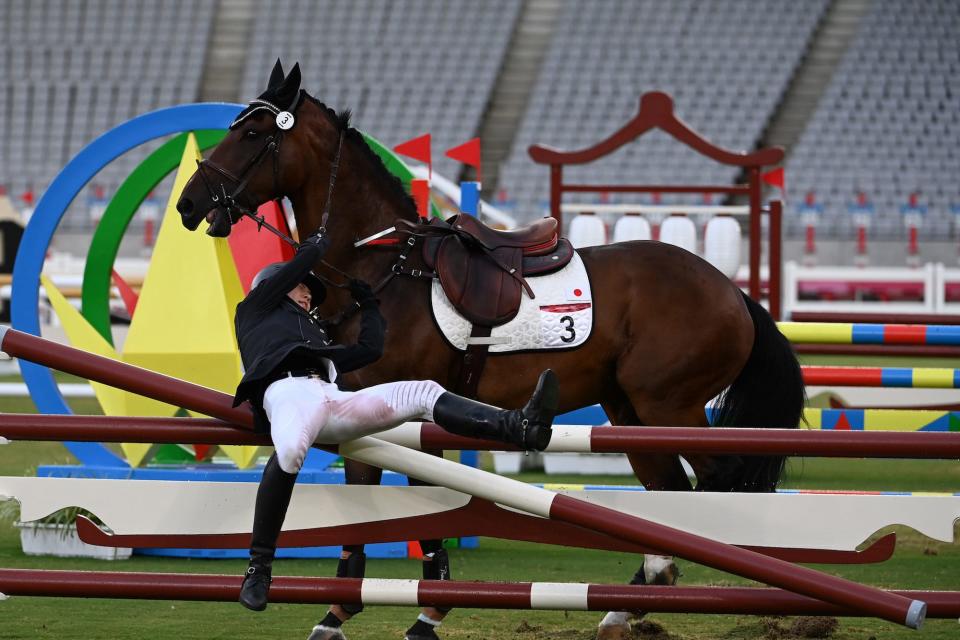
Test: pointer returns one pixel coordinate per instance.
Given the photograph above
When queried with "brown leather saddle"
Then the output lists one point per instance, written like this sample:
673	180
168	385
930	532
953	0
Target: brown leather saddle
483	271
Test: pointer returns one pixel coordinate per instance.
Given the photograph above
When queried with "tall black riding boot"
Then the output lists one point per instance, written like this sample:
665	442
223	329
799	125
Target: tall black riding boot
273	497
528	428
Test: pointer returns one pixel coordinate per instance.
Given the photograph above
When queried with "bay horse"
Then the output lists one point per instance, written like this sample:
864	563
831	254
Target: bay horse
670	334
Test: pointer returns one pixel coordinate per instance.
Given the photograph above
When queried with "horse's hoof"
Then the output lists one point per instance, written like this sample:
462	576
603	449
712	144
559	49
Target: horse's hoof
321	632
615	626
669	575
661	570
614	632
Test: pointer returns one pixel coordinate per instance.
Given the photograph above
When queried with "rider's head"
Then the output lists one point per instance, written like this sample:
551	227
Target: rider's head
301	295
307	294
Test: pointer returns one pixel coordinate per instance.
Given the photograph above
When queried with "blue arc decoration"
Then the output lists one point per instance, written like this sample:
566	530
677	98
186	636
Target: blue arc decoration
79	171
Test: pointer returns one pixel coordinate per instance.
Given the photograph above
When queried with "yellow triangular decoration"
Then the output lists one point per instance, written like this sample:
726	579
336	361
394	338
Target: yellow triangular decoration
183	325
83	336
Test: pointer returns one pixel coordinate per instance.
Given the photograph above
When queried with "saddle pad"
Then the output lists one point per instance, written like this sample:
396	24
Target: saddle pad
561	316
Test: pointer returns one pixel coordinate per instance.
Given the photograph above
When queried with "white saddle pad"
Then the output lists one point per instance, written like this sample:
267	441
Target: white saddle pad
560	317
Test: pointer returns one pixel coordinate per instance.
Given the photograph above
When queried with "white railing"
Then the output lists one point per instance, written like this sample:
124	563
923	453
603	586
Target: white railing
933	278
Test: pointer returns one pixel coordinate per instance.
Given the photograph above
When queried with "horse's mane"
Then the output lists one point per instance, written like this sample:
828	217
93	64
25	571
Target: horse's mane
392	182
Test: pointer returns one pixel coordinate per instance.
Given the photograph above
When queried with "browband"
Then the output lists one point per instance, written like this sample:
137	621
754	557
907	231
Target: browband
260	104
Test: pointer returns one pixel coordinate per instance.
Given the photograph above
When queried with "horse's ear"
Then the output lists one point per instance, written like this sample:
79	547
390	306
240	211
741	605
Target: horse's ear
287	92
276	76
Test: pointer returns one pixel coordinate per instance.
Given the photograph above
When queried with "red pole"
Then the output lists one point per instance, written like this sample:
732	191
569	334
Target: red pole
442	593
556	193
753	175
123	376
532	500
810	247
691	440
912	247
776	259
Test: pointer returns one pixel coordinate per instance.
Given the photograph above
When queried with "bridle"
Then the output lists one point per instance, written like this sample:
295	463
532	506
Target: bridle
229	202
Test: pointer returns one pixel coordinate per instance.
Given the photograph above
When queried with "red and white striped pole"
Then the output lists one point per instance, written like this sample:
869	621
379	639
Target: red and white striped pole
443	593
510	493
566	438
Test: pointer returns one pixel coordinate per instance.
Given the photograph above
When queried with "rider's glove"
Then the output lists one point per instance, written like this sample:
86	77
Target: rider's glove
319	240
361	292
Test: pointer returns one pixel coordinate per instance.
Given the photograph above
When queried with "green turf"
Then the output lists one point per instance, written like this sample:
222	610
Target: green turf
879	361
917	564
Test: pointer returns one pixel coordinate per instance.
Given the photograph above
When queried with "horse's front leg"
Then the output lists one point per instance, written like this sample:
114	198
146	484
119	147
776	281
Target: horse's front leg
352	560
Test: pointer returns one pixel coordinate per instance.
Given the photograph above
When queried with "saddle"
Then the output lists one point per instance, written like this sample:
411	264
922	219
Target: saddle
483	270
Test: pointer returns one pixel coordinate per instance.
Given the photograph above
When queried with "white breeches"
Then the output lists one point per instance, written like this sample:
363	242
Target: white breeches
307	410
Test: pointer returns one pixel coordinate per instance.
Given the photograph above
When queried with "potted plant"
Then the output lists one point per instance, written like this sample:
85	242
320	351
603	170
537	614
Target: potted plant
56	534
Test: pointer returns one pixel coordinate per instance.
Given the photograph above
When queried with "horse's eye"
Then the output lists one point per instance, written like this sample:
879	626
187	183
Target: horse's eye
251	133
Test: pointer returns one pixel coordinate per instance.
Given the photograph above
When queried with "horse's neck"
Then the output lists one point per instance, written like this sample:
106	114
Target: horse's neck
362	206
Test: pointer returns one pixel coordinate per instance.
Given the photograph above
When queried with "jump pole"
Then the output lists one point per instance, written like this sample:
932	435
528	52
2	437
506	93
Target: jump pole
863	333
517	495
889	377
566	438
444	593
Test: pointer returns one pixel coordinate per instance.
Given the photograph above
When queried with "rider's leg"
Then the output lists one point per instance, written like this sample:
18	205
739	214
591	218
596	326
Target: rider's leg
273	497
295	420
387	405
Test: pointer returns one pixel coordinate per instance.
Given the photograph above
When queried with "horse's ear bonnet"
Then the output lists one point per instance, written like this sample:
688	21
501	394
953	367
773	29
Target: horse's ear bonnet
282	94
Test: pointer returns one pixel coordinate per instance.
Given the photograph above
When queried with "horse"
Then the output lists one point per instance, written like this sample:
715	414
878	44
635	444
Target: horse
671	333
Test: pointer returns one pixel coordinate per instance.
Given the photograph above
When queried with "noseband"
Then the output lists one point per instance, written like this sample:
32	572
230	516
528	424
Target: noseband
227	202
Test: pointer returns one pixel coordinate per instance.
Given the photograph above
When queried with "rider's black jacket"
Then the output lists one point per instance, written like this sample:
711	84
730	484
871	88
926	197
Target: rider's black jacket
270	326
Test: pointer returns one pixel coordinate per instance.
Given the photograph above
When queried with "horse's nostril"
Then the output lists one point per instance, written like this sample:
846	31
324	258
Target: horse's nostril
185	206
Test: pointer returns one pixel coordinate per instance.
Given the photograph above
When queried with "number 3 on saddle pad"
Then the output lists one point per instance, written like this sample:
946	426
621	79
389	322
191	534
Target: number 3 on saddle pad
561	316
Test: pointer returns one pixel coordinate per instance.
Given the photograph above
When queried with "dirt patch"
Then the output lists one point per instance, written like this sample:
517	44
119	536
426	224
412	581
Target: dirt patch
526	627
649	630
776	628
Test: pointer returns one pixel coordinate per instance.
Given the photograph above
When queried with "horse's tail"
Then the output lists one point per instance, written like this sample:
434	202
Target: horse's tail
769	392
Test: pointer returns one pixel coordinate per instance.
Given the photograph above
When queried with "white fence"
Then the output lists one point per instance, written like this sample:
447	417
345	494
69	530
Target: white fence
937	286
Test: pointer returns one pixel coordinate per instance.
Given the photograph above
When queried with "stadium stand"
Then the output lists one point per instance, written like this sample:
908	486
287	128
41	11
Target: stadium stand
884	126
73	70
405	67
887	125
727	63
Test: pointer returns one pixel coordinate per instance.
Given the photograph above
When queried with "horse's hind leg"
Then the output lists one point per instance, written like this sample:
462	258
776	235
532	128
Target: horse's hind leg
657	472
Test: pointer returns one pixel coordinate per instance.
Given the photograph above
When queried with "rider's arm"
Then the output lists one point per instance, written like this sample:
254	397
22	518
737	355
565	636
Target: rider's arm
369	346
271	291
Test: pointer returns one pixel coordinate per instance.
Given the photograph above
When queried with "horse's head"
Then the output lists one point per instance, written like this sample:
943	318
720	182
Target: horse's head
260	159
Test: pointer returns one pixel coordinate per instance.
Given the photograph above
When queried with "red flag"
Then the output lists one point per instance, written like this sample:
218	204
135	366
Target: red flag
468	153
418	149
774	178
420	192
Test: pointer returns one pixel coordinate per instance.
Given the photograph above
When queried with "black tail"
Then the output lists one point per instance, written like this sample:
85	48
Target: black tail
769	392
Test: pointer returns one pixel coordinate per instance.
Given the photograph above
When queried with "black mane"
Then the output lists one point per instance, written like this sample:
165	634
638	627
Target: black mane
342	121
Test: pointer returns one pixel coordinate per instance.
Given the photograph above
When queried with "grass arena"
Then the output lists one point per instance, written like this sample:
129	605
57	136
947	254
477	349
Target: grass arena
730	228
